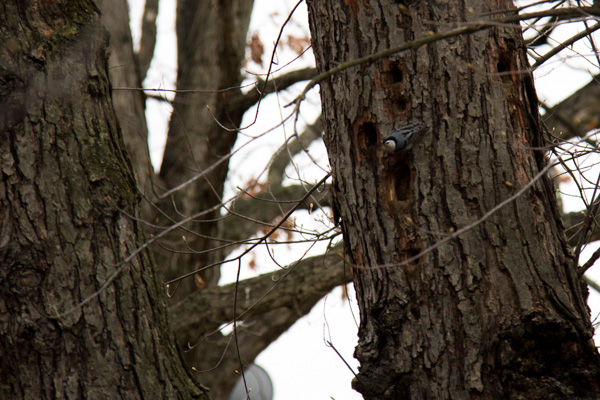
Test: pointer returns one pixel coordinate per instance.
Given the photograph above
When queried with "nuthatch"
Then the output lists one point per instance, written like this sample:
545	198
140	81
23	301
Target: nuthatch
402	138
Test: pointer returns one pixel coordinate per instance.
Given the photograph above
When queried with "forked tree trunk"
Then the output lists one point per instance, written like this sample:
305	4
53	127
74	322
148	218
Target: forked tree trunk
211	42
67	207
498	312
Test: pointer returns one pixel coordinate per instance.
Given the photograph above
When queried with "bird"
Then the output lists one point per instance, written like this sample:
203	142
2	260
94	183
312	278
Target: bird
402	138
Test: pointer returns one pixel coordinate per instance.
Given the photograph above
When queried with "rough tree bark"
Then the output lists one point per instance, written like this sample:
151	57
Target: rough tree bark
66	179
125	72
500	311
67	197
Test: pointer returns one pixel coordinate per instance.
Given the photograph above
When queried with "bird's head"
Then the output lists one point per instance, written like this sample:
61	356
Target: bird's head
389	144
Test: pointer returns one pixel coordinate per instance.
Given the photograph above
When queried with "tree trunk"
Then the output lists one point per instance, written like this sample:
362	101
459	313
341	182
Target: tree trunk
80	316
498	312
129	104
211	43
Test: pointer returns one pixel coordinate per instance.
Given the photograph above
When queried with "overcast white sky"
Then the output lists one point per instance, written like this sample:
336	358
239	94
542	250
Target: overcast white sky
299	363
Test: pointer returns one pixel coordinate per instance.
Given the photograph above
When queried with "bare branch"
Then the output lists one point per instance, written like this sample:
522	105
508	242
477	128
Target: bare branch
466	28
542	36
260	240
244	102
303	283
249	213
582	111
573	222
148	40
257	213
589	263
539	61
285	153
254	336
592	283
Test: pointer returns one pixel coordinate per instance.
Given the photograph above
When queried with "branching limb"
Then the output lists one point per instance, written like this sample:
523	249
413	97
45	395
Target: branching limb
272	303
249	213
563	45
301	284
253	337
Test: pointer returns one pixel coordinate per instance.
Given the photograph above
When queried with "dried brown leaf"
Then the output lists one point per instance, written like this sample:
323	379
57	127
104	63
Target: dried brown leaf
257	49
